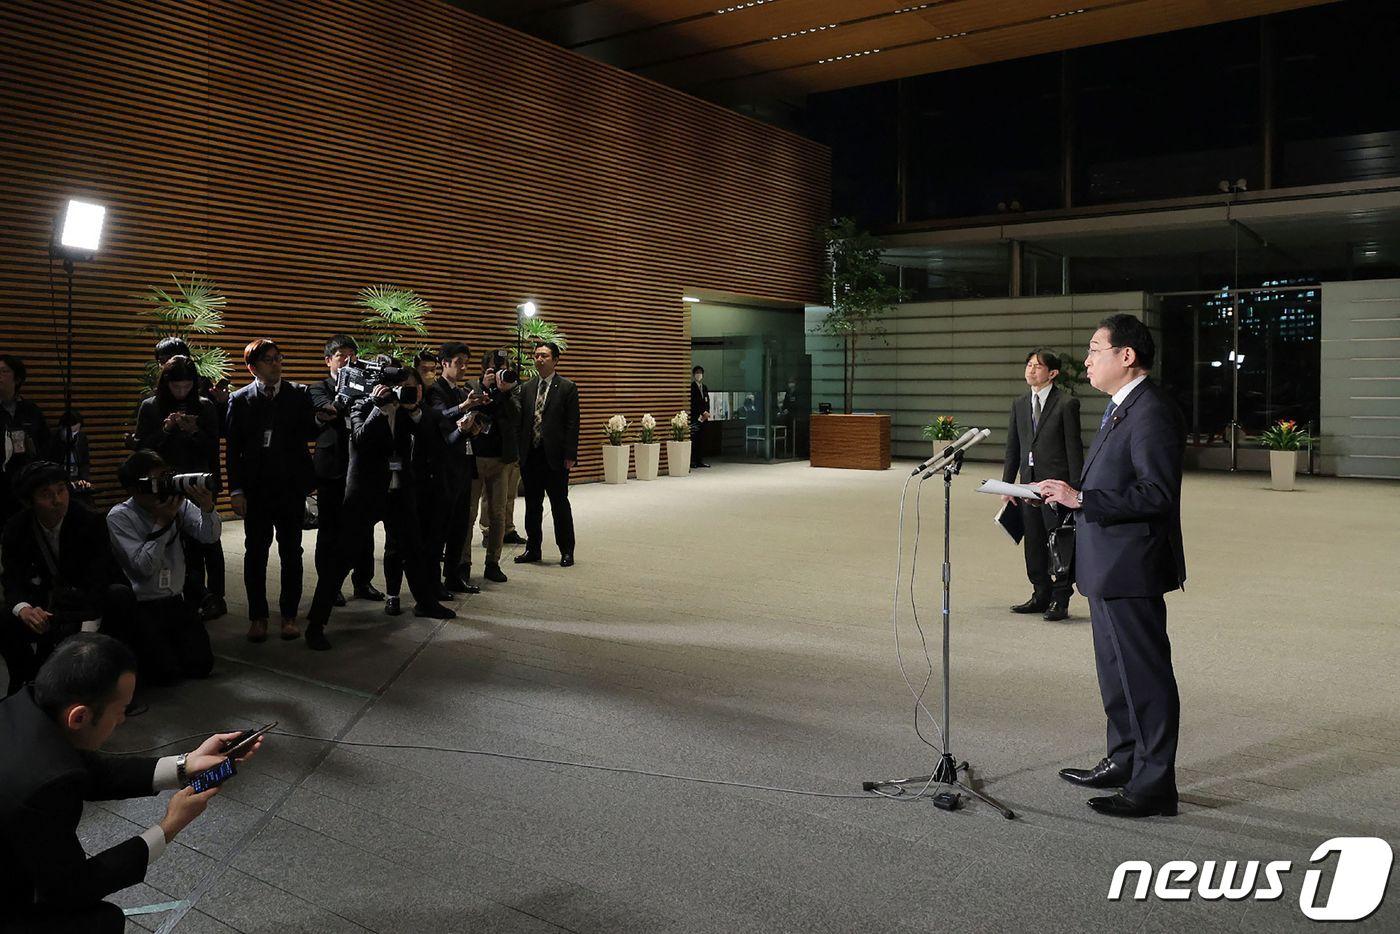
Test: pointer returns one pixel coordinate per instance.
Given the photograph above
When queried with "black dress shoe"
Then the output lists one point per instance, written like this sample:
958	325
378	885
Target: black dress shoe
527	557
494	573
444	593
433	611
339	599
1107	774
1125	805
1033	605
457	585
392	607
316	638
368	592
702	464
1057	611
213	607
512	538
566	561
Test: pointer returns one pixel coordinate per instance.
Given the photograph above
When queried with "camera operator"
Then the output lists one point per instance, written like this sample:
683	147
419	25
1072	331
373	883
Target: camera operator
59	573
23	431
453	407
52	732
184	430
495	447
169	637
428	493
270	474
332	458
380	487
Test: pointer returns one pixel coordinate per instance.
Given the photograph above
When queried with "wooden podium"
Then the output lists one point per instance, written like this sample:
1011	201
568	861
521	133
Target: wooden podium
860	442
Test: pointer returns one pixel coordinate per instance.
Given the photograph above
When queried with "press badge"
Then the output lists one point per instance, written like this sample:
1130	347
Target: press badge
1030	458
469	447
396	464
163	579
267	438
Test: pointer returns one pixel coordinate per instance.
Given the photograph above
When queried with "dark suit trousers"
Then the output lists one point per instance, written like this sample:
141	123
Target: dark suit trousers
331	524
456	523
1134	660
24	650
399	513
401	556
170	641
280	514
101	918
697	440
542	480
1037	546
204	569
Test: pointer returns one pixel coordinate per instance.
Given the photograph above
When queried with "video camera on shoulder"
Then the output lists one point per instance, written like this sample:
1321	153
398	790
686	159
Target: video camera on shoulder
359	378
175	484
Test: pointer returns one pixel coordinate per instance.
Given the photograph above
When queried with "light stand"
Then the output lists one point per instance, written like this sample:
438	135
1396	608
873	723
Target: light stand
77	236
522	311
947	769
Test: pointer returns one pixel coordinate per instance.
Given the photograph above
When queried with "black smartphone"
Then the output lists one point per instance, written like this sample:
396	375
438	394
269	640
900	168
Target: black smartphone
211	778
244	741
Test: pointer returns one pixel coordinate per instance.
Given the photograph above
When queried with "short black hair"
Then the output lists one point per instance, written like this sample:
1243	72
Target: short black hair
16	366
1125	330
1047	357
339	341
168	347
451	349
424	356
554	350
138	465
34	475
70	418
84	669
696	369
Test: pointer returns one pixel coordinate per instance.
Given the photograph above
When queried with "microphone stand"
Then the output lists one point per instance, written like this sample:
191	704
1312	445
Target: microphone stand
947	769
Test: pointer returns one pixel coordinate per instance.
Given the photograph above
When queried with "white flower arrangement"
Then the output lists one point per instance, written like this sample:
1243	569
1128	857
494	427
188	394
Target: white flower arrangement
615	428
680	426
648	429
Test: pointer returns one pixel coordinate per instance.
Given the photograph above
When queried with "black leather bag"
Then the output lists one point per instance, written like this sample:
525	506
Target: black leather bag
1062	547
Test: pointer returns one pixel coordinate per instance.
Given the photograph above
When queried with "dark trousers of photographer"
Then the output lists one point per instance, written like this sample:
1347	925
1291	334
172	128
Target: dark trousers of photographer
542	480
398	510
280	514
332	523
488	500
170	641
204	570
457	524
426	496
24	650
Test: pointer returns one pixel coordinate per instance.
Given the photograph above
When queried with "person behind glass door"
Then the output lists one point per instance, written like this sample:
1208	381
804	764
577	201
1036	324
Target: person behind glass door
549	416
270	473
699	415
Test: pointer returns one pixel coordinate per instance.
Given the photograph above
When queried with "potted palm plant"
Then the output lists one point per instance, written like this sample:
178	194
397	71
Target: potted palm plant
648	449
192	307
393	318
615	451
1283	440
678	448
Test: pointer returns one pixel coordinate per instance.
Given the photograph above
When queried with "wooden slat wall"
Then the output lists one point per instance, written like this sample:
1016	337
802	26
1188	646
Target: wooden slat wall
297	151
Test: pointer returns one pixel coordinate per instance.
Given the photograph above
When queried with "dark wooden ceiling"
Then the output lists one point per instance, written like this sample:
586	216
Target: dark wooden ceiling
742	50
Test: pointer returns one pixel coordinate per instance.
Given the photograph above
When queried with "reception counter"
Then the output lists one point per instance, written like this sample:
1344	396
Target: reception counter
861	442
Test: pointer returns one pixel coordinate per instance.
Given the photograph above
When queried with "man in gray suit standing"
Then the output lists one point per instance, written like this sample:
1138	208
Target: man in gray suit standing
1043	443
1129	554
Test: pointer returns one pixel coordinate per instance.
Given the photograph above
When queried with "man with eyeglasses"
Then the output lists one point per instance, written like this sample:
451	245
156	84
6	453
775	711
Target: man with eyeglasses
270	473
1129	554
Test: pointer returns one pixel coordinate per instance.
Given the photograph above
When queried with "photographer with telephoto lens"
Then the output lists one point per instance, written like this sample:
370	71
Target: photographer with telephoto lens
167	634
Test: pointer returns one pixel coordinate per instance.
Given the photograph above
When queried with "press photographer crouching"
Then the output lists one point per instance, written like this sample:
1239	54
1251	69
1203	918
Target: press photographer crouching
145	530
386	413
59	574
51	732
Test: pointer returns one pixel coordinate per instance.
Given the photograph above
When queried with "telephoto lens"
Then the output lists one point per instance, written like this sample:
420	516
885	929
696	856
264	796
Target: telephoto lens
179	484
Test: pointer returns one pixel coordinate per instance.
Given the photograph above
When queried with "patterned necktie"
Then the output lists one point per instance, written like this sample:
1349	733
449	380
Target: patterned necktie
1107	413
1035	412
539	412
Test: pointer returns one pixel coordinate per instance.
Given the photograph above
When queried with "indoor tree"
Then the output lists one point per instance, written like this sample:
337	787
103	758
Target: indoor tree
393	318
192	307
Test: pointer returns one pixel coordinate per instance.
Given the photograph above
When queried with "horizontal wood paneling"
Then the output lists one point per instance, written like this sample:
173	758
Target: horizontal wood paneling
855	441
297	151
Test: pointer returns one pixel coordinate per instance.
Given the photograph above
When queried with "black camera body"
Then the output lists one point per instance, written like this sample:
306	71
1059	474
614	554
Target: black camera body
358	379
175	484
500	361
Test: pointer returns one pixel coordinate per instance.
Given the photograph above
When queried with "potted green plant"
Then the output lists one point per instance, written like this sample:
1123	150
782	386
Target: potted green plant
648	449
534	331
860	294
615	451
678	448
1283	440
393	318
943	428
193	307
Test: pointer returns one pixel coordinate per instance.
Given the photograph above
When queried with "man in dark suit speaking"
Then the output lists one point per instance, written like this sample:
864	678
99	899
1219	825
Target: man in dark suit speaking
1129	553
548	451
50	732
1043	443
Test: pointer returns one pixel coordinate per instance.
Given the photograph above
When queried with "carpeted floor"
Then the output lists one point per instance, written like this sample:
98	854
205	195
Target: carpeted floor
736	625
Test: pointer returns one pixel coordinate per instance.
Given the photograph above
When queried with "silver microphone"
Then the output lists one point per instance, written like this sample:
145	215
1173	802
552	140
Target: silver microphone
973	436
954	446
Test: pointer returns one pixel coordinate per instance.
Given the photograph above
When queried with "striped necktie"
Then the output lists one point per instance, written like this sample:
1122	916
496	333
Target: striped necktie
1107	413
539	412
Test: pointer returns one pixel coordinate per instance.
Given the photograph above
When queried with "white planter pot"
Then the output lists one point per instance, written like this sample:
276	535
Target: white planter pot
648	459
678	458
1283	469
615	463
